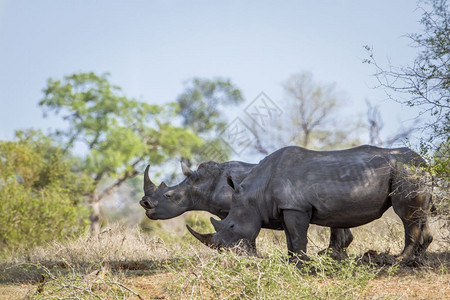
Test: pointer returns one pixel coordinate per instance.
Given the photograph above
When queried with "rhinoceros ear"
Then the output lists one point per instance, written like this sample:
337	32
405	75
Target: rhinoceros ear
234	185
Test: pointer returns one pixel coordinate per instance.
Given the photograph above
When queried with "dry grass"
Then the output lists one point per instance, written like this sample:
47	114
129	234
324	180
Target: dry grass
127	263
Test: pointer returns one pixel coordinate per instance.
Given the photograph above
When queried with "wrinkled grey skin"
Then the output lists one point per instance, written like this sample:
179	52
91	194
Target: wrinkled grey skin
207	189
338	189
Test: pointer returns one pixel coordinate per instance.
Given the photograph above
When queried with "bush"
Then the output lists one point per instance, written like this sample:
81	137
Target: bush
40	198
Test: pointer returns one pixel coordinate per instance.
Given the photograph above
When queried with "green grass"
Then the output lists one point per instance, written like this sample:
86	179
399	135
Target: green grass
231	276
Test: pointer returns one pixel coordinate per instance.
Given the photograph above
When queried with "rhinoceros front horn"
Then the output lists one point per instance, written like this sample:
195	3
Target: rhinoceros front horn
206	239
149	186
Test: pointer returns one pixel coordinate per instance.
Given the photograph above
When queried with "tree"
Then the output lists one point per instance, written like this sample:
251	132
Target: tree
376	124
201	103
426	82
201	107
312	104
309	118
119	135
41	199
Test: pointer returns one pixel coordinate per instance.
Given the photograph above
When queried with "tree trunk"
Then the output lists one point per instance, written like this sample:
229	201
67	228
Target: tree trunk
96	214
95	199
306	138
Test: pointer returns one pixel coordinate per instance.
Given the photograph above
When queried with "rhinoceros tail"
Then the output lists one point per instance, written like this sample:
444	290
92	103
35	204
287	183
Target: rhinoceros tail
433	210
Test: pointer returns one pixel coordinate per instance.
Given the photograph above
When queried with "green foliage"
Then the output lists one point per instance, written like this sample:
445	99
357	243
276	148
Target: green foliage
425	83
118	132
201	108
40	197
200	104
439	167
430	72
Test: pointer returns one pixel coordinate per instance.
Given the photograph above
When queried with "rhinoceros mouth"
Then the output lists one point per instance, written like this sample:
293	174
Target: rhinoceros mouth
150	213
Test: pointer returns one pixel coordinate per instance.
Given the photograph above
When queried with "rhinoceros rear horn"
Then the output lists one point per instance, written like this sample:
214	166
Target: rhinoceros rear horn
162	185
216	224
149	186
186	170
206	239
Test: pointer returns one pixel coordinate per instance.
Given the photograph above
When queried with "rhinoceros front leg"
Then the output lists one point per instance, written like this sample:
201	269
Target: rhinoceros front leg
296	224
288	241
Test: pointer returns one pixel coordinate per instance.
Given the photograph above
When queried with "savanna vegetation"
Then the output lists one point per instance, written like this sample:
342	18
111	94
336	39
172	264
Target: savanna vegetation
59	238
124	262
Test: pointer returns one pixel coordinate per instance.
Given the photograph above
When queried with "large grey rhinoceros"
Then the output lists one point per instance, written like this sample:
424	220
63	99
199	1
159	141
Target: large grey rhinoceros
207	190
338	189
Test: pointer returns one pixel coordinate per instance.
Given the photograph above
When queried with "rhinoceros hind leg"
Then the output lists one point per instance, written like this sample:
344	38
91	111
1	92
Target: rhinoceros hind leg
413	214
340	239
425	239
348	237
412	235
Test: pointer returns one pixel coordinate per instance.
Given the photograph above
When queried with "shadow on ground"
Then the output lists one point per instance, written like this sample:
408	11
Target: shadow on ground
431	260
31	273
34	272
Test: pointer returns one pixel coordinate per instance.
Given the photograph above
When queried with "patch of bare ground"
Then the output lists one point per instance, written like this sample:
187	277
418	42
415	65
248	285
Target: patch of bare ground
14	292
422	278
424	285
152	286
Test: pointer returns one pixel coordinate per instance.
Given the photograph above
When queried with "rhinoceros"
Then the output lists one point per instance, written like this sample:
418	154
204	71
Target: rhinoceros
207	189
338	189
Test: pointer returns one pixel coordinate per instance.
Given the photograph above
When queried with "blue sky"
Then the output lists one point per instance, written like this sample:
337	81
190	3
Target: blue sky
152	47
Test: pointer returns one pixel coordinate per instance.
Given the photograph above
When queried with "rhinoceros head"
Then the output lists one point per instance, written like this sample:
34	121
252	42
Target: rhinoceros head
239	229
194	192
157	200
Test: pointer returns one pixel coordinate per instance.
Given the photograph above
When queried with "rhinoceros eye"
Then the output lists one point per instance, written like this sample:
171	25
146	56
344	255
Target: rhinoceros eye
168	194
231	225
